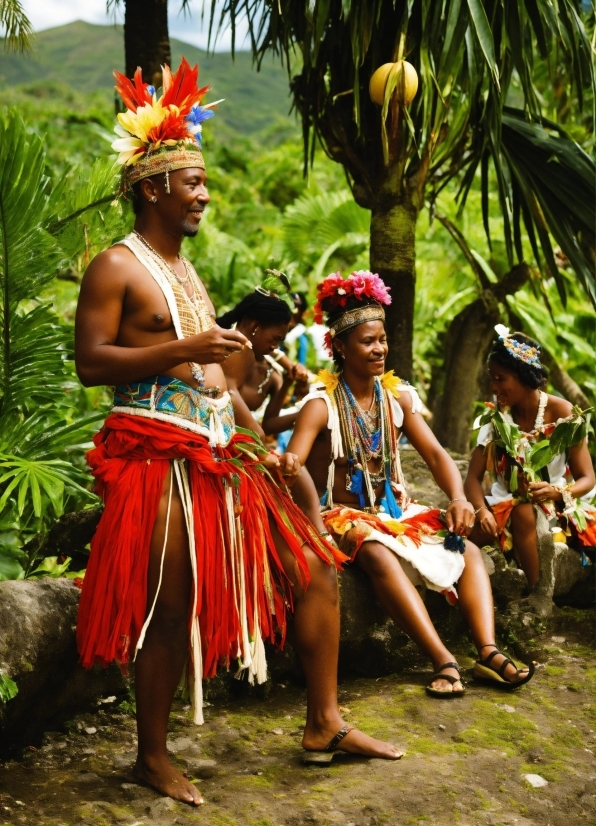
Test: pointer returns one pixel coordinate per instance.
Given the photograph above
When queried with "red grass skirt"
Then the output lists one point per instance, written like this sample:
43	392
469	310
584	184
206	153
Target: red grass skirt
130	461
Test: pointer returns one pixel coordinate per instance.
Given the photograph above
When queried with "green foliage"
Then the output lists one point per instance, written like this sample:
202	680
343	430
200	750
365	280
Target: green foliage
8	688
42	434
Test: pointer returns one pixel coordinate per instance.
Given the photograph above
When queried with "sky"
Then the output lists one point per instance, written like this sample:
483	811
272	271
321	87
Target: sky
46	14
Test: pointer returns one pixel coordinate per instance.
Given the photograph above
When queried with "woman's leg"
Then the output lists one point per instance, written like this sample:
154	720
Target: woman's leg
159	663
316	637
525	541
400	599
476	604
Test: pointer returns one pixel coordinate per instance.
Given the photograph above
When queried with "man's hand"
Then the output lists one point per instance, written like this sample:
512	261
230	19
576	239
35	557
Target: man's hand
215	345
460	517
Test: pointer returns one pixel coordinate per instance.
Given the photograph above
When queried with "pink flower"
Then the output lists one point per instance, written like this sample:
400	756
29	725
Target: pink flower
370	285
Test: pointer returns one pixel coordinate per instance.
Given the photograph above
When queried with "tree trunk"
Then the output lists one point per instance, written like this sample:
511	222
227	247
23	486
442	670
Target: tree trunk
467	342
562	381
146	38
393	257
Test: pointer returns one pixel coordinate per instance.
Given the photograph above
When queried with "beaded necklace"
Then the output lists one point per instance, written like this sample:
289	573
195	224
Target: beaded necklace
365	437
194	316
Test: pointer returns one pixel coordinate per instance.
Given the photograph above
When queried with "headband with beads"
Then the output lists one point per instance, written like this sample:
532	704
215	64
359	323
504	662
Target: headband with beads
520	351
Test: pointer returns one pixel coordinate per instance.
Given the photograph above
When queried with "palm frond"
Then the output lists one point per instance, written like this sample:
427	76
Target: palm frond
18	31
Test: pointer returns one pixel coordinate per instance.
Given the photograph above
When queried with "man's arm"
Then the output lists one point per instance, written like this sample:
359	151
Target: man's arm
460	513
99	360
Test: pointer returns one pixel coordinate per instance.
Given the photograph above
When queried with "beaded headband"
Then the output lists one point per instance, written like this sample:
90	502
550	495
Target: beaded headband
520	351
352	318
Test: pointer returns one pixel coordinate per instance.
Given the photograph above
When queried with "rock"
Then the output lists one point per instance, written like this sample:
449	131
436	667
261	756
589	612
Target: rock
441	727
203	769
568	570
504	707
161	807
38	651
180	744
90	730
88	777
124	761
535	780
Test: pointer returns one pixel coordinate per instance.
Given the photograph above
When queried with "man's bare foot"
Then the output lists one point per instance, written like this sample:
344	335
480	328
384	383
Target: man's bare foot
165	778
355	742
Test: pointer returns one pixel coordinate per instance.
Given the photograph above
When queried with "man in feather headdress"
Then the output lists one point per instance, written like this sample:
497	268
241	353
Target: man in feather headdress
197	543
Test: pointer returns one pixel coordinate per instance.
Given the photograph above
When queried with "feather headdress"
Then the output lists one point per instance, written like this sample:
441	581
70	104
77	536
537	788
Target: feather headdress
160	134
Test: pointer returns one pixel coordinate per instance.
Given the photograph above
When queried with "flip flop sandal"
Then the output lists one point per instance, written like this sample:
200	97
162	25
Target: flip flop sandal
442	695
485	673
329	752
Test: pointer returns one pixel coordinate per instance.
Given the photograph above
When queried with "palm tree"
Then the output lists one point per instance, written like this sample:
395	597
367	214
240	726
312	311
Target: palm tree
18	32
467	53
146	36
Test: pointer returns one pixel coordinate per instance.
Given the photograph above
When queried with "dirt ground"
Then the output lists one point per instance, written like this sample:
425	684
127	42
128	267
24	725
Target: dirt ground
466	762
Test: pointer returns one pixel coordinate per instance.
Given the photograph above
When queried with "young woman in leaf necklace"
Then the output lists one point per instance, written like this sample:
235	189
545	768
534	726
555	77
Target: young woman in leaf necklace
517	379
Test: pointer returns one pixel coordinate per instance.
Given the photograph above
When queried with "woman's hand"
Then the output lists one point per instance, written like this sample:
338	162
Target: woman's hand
539	492
287	465
460	517
486	521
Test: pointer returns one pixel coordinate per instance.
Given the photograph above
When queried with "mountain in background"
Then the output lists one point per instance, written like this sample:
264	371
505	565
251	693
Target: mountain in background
83	56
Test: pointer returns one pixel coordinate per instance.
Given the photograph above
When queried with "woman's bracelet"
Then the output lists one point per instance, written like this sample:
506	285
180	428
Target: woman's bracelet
481	508
451	501
566	495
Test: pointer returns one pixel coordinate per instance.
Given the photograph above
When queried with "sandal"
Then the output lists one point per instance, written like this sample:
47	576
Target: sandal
484	672
435	692
330	750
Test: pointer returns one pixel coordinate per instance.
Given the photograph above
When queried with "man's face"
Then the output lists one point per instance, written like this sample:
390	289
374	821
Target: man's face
365	348
186	202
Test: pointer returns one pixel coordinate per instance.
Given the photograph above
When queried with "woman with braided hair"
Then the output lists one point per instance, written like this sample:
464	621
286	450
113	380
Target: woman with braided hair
263	372
522	482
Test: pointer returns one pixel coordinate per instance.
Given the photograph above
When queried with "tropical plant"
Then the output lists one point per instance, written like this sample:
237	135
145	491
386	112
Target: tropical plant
322	232
42	435
18	32
466	53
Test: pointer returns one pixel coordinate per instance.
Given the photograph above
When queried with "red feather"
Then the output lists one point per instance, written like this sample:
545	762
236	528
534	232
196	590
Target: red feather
133	94
172	128
180	89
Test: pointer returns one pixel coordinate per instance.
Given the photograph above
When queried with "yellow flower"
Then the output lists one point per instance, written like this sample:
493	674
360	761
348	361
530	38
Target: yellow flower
329	379
140	123
391	383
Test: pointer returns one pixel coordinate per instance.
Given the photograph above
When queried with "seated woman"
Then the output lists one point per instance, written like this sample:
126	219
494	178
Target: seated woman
265	372
519	486
354	418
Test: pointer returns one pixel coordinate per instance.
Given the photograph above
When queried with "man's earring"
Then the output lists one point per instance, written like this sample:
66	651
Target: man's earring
255	331
153	199
168	181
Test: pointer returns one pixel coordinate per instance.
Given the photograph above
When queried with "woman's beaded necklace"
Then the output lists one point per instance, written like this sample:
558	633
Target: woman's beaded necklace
365	435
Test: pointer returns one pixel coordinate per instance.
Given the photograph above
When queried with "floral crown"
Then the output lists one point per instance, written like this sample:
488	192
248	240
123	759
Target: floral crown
335	292
161	134
523	352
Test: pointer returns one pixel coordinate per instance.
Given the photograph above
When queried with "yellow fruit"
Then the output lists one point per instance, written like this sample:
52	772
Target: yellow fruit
406	82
